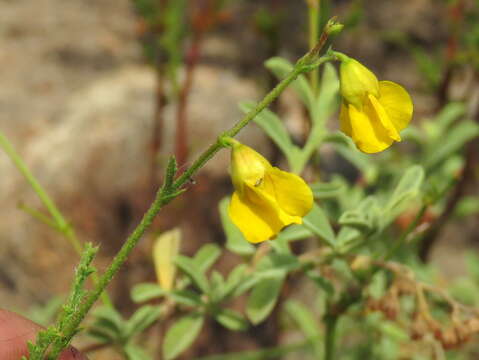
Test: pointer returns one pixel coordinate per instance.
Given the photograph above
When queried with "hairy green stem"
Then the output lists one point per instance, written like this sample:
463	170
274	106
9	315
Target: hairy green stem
330	336
62	224
163	197
169	191
59	222
215	147
313	12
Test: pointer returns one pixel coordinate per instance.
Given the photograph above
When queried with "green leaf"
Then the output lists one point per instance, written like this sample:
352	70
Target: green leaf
347	235
108	318
231	319
108	325
467	206
465	290
284	262
321	282
207	256
263	299
282	67
263	354
356	219
407	189
217	287
378	285
319	111
181	335
327	100
235	240
194	272
146	291
234	278
364	217
394	331
346	148
449	114
457	136
170	172
103	335
472	264
271	124
318	223
294	232
134	352
328	190
186	297
141	319
307	322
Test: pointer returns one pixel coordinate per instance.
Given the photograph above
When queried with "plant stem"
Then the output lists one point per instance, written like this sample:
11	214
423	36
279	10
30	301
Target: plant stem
72	327
42	194
412	225
181	136
331	321
215	147
60	223
170	191
313	12
162	199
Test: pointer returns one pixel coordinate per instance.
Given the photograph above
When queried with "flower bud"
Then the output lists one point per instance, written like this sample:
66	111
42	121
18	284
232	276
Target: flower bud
247	166
357	82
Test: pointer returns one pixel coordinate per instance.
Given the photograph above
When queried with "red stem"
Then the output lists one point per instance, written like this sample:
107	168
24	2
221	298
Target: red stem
181	141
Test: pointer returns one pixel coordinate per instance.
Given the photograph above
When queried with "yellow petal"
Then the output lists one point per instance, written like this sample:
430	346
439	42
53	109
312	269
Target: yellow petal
369	135
257	215
344	121
292	194
247	166
379	115
356	82
396	102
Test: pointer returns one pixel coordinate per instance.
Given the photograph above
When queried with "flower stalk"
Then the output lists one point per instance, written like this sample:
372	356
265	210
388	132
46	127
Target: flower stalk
172	189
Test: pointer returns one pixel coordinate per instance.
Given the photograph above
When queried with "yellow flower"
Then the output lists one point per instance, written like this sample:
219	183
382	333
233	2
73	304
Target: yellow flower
266	198
373	112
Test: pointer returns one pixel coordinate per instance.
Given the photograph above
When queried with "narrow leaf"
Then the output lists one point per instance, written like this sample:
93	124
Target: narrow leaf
207	256
318	223
305	319
231	319
141	319
186	297
190	268
134	352
282	67
407	189
270	123
328	190
457	136
181	335
234	278
165	250
263	298
146	291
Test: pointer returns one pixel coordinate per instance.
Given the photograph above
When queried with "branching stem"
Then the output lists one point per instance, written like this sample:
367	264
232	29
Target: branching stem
170	190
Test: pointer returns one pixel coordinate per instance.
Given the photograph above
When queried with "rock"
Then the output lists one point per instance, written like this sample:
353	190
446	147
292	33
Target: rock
94	162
